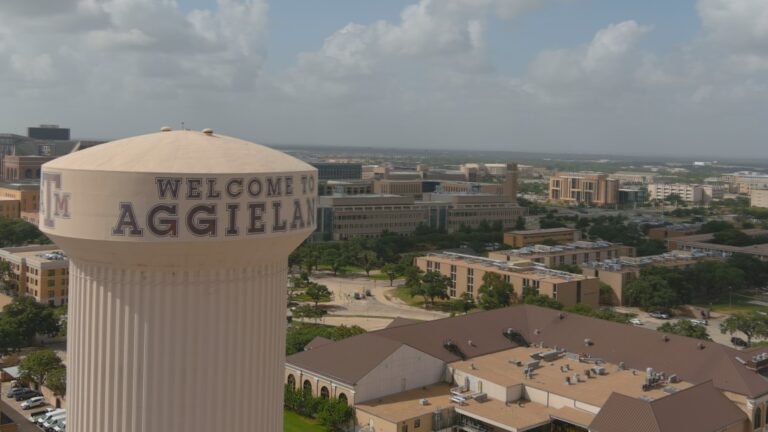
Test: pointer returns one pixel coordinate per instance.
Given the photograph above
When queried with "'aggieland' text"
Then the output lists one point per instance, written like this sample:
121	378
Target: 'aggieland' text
232	207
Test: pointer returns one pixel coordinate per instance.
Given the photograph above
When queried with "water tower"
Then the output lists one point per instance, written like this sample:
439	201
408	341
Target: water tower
178	243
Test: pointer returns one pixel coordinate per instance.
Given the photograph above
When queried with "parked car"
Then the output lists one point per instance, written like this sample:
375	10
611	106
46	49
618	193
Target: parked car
635	321
699	322
33	402
48	424
659	315
37	414
737	341
26	394
61	426
14	391
42	419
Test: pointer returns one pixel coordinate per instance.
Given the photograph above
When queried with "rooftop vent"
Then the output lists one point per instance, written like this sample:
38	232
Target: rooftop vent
165	129
701	345
665	338
208	131
424	402
561	316
588	342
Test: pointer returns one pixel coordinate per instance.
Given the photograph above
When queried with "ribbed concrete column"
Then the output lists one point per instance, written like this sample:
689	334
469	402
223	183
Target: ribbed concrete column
135	333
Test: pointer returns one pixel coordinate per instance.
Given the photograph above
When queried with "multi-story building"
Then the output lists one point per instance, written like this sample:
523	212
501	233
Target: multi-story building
39	271
9	208
345	217
629	177
694	194
586	188
346	187
27	198
633	195
23	168
393	208
526	368
518	239
703	243
672	231
758	198
618	272
338	171
466	273
411	188
574	253
48	132
744	181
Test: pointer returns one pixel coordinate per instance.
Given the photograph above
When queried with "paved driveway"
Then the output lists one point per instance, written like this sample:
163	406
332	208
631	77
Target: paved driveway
12	409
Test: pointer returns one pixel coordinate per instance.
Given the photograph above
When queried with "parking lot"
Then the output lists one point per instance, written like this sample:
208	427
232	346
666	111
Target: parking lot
12	409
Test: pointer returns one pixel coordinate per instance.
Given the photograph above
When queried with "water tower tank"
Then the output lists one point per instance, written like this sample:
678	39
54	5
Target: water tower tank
178	243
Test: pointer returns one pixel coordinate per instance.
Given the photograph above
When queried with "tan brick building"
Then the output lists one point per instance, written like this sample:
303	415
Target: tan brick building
27	195
617	273
40	271
573	253
584	188
466	273
518	239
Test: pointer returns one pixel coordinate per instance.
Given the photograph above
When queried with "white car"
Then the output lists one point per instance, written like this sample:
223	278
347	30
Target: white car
635	321
699	322
33	402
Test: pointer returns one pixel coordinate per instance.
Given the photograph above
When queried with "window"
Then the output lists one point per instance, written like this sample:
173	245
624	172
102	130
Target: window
343	399
437	266
404	428
51	272
470	281
417	423
758	418
307	387
573	259
429	266
51	282
291	381
324	393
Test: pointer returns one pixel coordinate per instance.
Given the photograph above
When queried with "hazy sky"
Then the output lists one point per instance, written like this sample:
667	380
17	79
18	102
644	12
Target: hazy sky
597	76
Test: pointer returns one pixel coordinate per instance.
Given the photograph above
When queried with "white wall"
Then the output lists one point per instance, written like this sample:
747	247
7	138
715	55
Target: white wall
417	368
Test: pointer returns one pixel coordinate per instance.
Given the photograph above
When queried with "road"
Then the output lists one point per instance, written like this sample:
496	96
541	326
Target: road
378	305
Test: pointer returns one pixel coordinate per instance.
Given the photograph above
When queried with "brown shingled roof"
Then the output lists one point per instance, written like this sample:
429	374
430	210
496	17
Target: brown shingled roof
347	360
399	321
713	412
692	360
318	341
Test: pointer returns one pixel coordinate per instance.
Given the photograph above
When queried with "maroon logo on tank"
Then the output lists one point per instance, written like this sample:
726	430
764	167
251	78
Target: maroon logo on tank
54	203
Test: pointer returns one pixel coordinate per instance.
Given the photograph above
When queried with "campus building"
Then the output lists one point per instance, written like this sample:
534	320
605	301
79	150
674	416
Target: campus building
394	208
585	188
346	187
693	194
518	239
745	181
630	177
703	243
39	271
620	271
526	368
466	273
758	198
672	231
21	200
345	217
572	253
338	171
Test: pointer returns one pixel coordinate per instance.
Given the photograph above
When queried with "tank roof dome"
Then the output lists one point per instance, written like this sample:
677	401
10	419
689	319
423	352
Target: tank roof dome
180	152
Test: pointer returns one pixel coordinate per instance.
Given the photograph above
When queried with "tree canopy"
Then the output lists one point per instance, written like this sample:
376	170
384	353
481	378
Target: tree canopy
495	292
685	328
37	366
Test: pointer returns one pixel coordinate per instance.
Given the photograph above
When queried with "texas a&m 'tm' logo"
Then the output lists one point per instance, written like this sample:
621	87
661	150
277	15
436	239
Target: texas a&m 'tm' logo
54	203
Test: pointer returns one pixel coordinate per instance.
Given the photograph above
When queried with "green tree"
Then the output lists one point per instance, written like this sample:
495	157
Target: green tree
368	261
714	226
27	318
413	276
392	271
317	292
57	381
752	324
651	293
685	328
495	292
10	338
300	334
464	303
335	414
307	311
542	300
606	294
569	268
755	271
435	285
38	365
520	223
334	259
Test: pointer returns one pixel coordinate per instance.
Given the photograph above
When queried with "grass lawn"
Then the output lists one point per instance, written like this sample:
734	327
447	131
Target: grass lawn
739	303
297	423
404	294
305	298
